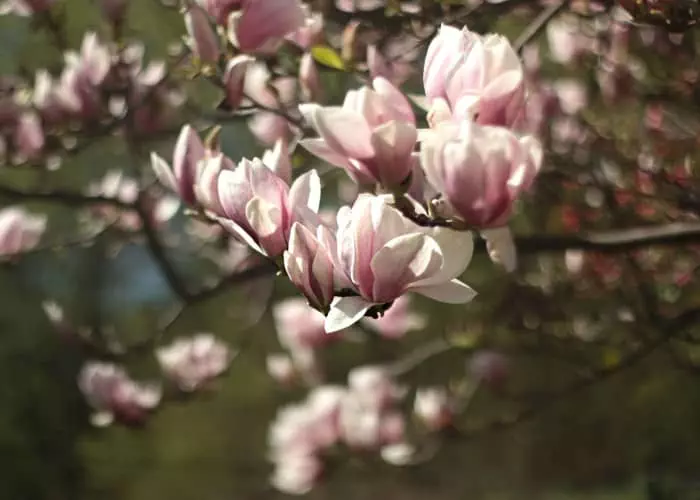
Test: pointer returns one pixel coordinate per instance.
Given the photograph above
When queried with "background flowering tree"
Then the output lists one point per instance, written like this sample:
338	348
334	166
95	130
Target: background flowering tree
390	227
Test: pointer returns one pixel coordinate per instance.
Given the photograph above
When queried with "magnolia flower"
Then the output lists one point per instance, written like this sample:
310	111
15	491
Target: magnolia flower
203	39
260	208
261	25
29	136
280	367
433	407
397	320
467	75
19	231
565	39
479	170
309	79
385	255
193	361
373	386
371	136
112	394
84	72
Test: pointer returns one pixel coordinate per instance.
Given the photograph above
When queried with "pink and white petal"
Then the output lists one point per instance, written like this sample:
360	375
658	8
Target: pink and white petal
241	234
306	191
320	148
501	247
344	312
390	266
163	172
449	292
345	131
397	101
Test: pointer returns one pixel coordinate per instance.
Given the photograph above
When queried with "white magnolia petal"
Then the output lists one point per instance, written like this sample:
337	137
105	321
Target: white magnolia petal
306	191
450	292
344	312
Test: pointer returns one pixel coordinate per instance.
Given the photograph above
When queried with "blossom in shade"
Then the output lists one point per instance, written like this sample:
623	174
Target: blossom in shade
191	362
20	231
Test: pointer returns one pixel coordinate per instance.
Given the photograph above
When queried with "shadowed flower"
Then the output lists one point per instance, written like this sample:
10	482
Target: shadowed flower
191	362
20	231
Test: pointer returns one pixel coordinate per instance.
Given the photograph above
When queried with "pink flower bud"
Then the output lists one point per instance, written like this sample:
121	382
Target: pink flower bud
234	79
203	39
311	32
371	137
20	231
261	25
281	368
460	159
310	265
189	151
309	79
29	136
298	325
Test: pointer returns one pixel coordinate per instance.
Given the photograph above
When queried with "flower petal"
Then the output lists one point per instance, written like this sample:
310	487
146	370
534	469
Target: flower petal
449	292
345	311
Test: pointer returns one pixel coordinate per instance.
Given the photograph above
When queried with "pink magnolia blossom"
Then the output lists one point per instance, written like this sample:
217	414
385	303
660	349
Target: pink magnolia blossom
203	39
397	320
281	368
220	10
385	255
191	362
189	151
565	39
20	231
114	395
82	76
261	25
467	75
260	208
25	7
371	136
433	407
373	386
395	61
480	170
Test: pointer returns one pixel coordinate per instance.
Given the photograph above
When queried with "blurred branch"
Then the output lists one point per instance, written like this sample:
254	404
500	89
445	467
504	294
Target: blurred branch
70	198
538	24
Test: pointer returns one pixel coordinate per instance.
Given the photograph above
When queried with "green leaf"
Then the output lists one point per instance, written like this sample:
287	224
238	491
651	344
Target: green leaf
326	56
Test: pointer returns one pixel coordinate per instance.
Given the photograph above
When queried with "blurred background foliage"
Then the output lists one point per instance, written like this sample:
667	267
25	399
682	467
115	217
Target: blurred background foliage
635	435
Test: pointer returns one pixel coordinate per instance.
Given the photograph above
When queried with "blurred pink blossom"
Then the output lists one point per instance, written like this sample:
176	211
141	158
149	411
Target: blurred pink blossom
114	395
433	407
191	362
397	320
20	231
25	7
202	37
220	10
